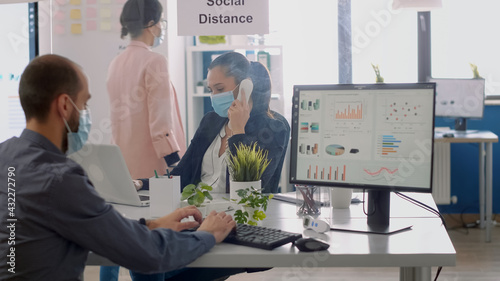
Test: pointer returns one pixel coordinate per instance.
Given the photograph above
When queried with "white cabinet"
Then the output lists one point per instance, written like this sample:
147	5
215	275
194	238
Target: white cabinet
198	59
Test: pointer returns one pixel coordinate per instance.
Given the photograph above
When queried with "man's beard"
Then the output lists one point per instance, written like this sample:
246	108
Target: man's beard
73	123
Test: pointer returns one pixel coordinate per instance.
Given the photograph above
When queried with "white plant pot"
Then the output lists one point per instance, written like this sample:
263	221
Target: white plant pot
200	90
237	185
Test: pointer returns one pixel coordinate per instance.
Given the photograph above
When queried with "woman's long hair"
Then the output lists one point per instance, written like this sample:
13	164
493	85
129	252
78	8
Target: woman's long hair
137	14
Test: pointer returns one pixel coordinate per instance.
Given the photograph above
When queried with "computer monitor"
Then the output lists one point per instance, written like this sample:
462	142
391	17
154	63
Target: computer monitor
377	137
460	99
19	45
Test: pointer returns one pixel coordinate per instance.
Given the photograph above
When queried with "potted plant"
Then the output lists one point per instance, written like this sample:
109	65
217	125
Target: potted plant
378	77
195	194
246	167
200	88
253	203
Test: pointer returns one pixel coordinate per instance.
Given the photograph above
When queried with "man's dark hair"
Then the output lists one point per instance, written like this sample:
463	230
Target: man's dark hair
137	14
43	80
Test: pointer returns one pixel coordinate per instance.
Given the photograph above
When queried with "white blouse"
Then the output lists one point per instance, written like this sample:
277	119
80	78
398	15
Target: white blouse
213	167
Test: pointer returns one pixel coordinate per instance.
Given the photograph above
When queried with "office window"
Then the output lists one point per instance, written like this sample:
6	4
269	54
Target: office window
307	30
464	32
383	36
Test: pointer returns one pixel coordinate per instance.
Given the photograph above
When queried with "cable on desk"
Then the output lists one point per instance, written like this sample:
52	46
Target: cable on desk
422	205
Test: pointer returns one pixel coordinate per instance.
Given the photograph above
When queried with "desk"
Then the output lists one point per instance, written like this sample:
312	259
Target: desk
483	138
414	251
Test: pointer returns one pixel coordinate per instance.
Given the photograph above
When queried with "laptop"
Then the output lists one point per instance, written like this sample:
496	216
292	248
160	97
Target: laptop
109	174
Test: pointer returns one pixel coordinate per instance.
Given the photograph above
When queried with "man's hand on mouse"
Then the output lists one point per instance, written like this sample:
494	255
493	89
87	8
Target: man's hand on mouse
218	224
173	220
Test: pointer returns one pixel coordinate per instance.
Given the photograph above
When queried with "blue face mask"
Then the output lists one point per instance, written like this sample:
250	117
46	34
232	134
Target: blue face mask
158	39
221	102
78	139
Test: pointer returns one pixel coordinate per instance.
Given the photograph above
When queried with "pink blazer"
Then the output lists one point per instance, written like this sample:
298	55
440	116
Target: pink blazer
145	117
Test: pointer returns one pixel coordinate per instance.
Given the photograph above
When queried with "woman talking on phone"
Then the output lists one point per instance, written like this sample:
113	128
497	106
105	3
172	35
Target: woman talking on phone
235	120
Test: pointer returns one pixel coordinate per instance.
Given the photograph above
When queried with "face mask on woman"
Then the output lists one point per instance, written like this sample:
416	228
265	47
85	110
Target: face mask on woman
221	102
158	39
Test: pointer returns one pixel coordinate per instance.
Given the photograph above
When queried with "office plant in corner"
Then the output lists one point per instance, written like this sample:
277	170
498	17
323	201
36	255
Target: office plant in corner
246	167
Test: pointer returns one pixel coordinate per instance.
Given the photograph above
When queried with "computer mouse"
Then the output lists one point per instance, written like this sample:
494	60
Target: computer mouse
448	135
310	245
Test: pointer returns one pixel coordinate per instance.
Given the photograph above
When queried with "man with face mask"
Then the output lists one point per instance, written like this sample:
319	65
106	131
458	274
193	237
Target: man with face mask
145	116
53	214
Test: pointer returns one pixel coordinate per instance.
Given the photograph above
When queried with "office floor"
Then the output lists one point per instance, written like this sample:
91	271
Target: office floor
476	260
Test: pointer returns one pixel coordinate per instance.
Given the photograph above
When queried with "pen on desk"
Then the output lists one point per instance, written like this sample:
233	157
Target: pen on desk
156	174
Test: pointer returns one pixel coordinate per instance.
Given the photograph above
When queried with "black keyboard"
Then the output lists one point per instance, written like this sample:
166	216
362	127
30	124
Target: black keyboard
260	237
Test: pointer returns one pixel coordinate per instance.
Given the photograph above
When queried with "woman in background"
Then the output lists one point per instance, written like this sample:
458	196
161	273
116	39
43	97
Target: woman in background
145	117
251	121
234	122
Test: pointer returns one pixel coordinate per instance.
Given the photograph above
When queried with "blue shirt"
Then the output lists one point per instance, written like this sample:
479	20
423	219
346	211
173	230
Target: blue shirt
56	217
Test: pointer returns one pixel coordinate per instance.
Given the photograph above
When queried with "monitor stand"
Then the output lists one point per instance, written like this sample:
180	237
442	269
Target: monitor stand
378	220
460	124
461	127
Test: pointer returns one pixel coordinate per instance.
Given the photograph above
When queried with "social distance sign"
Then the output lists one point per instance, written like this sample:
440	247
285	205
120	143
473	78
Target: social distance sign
222	17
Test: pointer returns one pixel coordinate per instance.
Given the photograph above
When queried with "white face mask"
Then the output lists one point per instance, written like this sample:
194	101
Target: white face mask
158	39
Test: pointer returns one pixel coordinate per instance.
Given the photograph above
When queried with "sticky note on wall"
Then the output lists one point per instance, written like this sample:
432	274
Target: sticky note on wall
105	13
59	29
75	2
76	28
105	25
91	13
75	14
59	16
91	25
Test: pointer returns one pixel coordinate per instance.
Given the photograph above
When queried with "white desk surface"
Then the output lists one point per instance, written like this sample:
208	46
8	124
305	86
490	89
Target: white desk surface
426	244
470	137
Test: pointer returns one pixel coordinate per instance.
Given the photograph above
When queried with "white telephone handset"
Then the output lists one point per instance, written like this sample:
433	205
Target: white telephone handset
247	86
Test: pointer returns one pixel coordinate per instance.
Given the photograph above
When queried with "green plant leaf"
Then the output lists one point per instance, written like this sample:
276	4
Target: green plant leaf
207	194
240	216
248	163
259	215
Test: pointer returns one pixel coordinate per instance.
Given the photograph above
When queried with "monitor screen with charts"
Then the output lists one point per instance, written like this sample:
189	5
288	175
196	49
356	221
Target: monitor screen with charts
19	45
366	136
459	97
